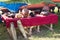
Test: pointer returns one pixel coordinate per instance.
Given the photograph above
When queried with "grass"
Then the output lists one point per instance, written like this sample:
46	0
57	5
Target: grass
45	34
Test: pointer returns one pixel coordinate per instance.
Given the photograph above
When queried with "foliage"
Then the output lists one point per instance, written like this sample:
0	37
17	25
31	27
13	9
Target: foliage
33	1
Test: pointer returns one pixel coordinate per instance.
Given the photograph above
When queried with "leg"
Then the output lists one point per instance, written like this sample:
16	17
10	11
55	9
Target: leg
21	28
13	31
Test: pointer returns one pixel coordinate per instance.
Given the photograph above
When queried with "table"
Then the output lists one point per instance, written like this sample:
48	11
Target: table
31	21
34	21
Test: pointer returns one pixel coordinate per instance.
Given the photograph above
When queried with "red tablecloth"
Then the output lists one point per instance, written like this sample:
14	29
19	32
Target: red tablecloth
52	18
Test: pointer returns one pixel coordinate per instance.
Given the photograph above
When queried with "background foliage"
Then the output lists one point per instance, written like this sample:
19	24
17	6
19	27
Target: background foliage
31	1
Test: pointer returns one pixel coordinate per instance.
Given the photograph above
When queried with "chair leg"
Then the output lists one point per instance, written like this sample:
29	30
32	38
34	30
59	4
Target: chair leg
13	31
21	28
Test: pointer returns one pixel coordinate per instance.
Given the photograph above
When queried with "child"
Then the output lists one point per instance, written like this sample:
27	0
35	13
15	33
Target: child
19	15
25	12
45	10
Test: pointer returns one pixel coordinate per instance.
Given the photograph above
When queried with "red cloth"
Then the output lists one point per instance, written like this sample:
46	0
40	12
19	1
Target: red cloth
52	18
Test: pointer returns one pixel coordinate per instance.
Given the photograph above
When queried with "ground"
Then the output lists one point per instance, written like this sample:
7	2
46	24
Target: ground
45	34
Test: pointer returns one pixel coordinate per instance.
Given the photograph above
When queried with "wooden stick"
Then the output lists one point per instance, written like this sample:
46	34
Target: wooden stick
47	26
21	28
38	28
13	31
51	27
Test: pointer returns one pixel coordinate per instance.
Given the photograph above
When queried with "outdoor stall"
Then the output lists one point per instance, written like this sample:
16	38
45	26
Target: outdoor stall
12	23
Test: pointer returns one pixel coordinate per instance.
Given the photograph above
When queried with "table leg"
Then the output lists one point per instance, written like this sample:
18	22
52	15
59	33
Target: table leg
30	31
13	31
51	27
21	28
38	28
